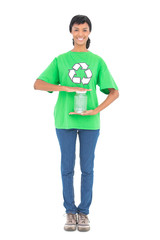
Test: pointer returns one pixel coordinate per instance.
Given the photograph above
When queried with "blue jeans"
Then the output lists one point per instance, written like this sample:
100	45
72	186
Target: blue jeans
67	142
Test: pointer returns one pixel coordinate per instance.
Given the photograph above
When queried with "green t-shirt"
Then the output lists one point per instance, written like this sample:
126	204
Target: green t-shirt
78	69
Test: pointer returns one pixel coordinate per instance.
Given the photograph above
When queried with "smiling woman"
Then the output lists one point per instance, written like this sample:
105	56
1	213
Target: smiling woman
78	70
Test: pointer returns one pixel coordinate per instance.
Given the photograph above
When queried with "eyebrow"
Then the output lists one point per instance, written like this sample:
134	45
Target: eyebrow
83	28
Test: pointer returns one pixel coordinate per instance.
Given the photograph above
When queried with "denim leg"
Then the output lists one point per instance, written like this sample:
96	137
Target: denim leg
67	142
88	140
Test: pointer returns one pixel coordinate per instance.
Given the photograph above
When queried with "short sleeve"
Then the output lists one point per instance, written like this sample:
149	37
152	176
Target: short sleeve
105	79
50	74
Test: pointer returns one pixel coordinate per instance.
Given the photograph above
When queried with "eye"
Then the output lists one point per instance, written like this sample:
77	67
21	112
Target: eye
77	30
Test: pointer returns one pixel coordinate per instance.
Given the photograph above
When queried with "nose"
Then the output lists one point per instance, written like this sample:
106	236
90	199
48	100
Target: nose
80	34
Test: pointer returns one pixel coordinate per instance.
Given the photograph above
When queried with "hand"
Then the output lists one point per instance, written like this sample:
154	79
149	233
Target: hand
74	89
88	112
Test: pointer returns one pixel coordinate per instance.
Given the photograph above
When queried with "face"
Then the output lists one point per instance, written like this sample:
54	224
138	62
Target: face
80	33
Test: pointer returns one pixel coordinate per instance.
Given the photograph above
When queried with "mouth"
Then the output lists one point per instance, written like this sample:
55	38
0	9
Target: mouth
80	39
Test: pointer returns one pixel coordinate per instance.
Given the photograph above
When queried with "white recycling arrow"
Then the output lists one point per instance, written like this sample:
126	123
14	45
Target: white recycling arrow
76	66
85	80
84	65
76	80
71	73
88	73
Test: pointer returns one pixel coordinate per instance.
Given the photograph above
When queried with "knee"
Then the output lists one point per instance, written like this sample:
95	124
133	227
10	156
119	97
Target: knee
87	173
67	172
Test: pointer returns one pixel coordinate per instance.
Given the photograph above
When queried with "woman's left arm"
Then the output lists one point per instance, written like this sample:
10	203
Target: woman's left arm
113	94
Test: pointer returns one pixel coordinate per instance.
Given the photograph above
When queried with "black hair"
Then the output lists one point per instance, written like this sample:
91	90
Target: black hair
81	19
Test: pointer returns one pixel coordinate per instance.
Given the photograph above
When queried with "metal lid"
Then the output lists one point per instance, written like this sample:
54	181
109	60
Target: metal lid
81	91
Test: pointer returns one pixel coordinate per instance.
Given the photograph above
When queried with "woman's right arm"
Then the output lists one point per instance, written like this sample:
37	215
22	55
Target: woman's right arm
42	85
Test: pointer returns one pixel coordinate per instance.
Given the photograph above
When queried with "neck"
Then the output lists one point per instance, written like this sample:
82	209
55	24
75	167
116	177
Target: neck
78	48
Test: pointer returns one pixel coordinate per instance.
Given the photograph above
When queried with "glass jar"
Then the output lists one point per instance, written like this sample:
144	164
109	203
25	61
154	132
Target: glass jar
80	101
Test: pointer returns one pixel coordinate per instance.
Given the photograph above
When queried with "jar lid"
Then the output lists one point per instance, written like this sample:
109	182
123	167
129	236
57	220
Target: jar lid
81	91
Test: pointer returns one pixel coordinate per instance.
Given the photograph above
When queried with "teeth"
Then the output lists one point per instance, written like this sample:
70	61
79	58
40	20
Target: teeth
80	38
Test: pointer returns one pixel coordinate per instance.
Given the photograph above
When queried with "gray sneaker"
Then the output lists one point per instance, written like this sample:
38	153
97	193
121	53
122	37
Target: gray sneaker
83	222
71	222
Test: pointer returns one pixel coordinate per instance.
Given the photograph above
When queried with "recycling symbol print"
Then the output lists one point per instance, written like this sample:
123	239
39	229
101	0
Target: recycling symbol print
82	66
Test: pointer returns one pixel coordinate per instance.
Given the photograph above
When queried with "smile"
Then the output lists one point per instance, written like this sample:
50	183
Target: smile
81	39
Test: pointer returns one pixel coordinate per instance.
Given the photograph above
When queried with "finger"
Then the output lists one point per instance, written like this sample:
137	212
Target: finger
85	89
72	113
84	113
88	89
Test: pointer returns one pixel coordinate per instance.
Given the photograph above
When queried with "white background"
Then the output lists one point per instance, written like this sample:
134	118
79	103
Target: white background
126	194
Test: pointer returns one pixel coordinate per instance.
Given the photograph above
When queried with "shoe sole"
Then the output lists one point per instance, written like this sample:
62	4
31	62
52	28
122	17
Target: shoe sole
84	229
70	228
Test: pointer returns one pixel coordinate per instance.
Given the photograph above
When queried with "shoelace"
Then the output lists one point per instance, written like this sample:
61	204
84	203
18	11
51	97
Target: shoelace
70	216
83	218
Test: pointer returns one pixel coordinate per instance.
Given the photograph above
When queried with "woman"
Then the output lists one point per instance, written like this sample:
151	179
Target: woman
78	70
